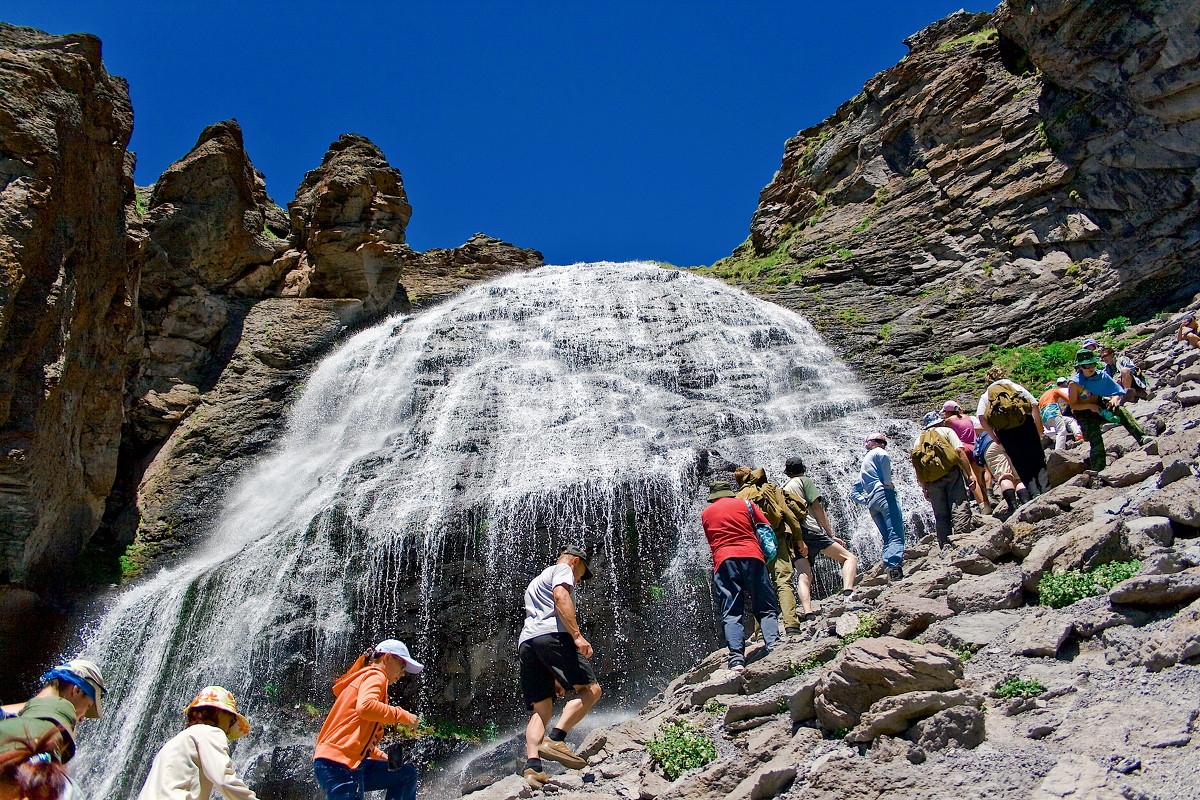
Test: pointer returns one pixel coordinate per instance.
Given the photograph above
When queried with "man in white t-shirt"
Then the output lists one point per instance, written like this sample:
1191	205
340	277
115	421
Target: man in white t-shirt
951	490
552	652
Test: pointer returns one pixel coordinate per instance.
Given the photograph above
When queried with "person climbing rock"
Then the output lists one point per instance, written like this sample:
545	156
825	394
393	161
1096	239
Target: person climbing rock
1189	330
1093	392
552	648
195	762
739	568
1055	411
818	536
769	498
944	471
79	681
1126	372
347	761
875	484
1008	413
989	453
960	423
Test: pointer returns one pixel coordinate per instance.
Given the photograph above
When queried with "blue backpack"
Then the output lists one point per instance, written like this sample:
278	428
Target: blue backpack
765	534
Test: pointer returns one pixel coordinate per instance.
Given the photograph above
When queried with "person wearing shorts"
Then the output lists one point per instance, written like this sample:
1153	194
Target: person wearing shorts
989	452
818	536
553	653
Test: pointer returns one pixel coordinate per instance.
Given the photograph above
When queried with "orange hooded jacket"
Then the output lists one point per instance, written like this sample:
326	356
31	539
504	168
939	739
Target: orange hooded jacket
355	723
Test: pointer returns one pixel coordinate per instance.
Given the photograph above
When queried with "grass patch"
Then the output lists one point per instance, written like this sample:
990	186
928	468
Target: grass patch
867	628
885	331
450	731
862	226
977	39
851	316
809	155
139	204
880	196
1065	588
679	747
714	707
843	253
965	654
988	269
1116	326
270	234
1012	686
807	665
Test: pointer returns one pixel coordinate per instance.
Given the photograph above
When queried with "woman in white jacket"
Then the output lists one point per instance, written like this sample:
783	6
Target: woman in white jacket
196	761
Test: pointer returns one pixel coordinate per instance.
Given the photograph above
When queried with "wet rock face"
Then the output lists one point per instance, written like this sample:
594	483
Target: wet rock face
66	295
1020	176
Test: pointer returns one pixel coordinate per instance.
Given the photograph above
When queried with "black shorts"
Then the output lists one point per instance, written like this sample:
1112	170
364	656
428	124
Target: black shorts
548	658
816	540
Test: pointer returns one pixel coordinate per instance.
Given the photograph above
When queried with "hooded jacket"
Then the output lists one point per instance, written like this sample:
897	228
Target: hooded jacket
775	507
355	724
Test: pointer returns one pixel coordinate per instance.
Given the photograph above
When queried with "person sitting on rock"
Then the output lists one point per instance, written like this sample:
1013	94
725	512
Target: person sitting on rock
944	471
1053	406
1189	330
989	452
1124	371
739	568
769	498
1007	411
347	761
196	761
1092	393
960	423
818	536
552	649
875	484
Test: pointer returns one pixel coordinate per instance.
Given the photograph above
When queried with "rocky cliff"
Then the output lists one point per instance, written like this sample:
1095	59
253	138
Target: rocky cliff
1016	178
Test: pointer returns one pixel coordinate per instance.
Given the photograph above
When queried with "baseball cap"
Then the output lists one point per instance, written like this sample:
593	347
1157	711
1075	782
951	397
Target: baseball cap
399	649
579	552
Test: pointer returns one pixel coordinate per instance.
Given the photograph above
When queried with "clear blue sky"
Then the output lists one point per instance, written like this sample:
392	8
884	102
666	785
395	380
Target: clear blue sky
590	130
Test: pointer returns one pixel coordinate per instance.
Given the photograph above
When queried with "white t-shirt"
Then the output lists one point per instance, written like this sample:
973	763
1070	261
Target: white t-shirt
541	616
981	412
950	436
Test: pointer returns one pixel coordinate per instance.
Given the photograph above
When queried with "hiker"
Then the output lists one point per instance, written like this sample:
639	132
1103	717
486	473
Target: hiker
1124	371
78	682
1089	343
875	484
1006	410
32	771
818	536
1054	409
1094	392
944	471
957	421
195	762
552	648
739	567
1189	330
789	533
347	761
991	454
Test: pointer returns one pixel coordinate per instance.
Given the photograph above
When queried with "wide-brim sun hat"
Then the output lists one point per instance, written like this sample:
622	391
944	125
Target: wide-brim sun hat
931	420
719	489
399	649
1086	358
221	698
91	674
582	554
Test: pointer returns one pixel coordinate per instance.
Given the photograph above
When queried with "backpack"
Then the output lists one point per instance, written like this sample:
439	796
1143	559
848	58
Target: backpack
933	457
797	505
1007	408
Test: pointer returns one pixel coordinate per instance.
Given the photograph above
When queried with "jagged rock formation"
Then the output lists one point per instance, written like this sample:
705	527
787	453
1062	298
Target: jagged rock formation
900	692
1017	177
67	295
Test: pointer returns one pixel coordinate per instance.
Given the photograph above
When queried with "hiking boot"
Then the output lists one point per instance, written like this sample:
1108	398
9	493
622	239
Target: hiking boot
793	633
562	753
535	779
895	573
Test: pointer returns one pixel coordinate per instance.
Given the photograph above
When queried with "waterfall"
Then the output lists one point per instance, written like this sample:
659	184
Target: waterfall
436	462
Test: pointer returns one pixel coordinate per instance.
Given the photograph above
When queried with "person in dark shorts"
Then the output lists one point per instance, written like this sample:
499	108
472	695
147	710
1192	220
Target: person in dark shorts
553	653
818	536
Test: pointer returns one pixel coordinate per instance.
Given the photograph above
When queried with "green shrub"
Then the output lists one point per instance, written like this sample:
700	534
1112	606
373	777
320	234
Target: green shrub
807	665
867	628
1074	585
839	733
1116	325
885	331
965	654
678	747
1018	687
862	226
1035	366
715	707
843	253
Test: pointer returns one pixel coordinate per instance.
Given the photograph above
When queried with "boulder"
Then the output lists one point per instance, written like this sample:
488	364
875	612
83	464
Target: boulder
1158	590
1041	633
1062	465
999	589
1133	468
892	715
1173	640
1076	776
1084	547
1174	468
960	726
1179	501
973	631
905	616
1156	529
871	669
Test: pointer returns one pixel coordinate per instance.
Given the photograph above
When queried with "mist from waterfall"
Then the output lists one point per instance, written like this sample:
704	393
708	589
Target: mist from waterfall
436	462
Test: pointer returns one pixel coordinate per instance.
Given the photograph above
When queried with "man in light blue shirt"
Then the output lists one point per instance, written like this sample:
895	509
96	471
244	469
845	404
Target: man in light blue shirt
875	475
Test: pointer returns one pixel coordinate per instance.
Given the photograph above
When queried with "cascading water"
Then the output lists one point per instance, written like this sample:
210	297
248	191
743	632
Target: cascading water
435	463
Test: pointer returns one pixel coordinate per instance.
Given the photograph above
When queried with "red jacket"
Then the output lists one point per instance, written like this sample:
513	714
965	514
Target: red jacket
728	530
355	723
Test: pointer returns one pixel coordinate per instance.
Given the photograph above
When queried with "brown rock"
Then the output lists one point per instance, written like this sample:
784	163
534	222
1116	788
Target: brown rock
1174	640
1000	589
1085	547
905	616
892	715
1180	501
871	669
1158	590
436	273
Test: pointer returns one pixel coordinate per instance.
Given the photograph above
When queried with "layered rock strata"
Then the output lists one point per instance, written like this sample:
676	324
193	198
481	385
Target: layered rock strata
954	681
1017	177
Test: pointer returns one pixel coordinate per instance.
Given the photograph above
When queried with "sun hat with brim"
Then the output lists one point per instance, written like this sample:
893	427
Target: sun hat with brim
931	420
397	648
221	698
719	489
1086	358
579	552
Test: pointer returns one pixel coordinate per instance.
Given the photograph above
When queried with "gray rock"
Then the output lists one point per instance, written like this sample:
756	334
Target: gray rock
892	715
509	788
1084	547
1156	528
1133	468
1180	501
1174	468
1174	640
1075	776
974	631
870	669
1188	397
905	616
722	681
801	702
1158	590
1000	589
1041	634
1062	465
961	727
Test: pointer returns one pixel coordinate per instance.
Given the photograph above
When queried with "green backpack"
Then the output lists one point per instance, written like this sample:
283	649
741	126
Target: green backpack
933	457
1007	408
